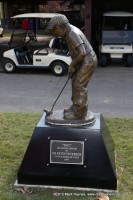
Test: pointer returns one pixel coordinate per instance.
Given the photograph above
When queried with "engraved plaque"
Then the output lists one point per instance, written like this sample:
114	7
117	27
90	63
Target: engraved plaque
67	152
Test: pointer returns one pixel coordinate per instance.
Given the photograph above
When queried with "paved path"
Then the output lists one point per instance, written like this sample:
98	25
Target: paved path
110	91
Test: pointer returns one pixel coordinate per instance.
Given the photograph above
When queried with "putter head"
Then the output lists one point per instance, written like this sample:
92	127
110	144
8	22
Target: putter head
48	113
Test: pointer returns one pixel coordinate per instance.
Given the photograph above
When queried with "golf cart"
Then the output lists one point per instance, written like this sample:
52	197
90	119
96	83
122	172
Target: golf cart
20	55
116	38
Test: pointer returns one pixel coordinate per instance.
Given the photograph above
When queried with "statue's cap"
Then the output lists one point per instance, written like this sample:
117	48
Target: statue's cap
57	20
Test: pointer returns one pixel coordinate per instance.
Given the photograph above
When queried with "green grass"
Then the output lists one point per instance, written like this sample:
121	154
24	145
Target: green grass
7	33
15	132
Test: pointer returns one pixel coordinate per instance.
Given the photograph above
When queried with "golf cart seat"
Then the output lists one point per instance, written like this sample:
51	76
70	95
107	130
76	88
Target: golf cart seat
41	52
59	44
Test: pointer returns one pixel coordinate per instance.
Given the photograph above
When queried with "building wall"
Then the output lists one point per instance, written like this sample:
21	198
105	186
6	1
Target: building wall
88	10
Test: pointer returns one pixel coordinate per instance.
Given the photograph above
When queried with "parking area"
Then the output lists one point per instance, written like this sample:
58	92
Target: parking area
110	91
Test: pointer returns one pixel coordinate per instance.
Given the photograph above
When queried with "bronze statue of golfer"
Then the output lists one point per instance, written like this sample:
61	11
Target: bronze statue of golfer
83	64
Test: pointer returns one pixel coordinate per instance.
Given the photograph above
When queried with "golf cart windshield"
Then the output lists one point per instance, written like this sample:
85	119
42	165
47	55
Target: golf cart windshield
35	23
17	39
117	30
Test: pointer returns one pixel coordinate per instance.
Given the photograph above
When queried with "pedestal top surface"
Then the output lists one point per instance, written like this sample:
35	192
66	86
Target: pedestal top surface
95	125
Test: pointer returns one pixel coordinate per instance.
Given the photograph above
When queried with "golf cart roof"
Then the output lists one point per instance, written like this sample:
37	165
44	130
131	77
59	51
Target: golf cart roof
118	14
35	15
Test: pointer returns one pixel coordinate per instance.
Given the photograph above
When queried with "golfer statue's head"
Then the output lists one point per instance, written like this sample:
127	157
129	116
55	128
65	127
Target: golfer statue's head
59	21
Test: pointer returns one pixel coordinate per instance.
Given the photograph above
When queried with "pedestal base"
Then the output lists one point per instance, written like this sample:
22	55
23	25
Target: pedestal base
70	157
57	118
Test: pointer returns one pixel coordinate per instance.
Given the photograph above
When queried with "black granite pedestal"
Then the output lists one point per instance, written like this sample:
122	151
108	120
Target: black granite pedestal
80	157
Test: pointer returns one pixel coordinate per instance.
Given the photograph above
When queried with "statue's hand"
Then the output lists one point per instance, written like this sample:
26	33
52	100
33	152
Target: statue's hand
71	70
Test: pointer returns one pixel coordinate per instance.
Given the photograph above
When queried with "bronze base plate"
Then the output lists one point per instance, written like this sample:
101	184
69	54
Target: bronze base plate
57	118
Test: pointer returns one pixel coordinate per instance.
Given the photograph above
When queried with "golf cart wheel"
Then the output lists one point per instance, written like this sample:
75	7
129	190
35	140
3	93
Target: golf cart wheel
129	60
59	68
103	60
9	66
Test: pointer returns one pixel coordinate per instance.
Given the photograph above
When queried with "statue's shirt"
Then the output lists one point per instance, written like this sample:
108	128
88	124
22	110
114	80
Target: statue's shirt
74	38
